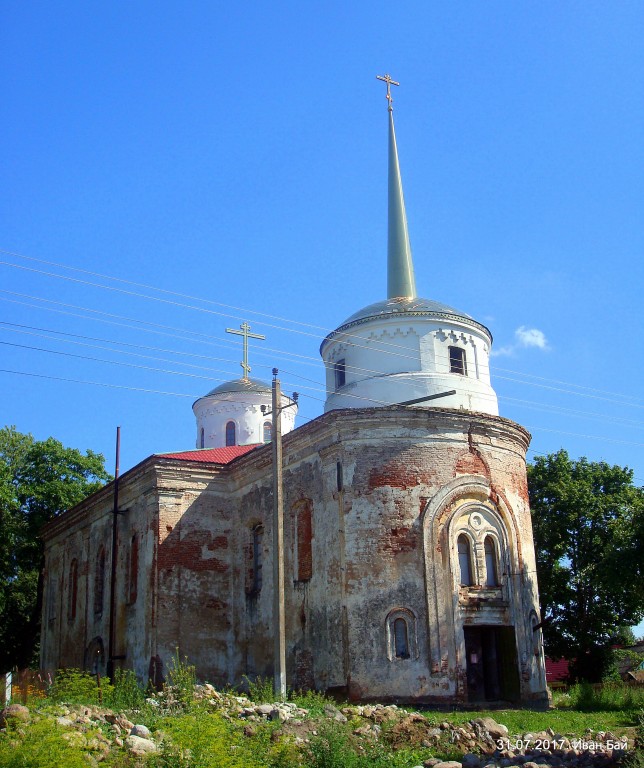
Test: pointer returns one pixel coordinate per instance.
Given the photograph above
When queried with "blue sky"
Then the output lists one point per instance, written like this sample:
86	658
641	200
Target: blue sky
236	154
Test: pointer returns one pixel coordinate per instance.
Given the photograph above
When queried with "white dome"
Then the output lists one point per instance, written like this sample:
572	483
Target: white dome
231	414
402	349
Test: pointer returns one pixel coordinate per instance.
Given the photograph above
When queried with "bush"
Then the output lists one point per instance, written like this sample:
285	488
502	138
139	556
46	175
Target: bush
72	686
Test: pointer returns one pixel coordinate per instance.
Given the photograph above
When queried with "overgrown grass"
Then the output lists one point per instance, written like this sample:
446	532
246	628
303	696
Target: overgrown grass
562	721
195	736
41	746
202	739
610	697
335	747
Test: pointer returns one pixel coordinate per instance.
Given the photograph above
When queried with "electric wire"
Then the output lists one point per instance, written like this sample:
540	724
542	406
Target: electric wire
228	306
520	381
21	328
354	368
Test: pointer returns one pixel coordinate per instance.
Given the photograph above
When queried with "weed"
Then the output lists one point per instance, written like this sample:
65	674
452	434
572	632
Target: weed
199	739
72	686
181	679
126	693
41	746
314	701
334	747
260	690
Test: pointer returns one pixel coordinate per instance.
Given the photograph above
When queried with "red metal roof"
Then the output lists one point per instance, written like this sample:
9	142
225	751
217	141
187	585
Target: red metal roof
211	455
557	670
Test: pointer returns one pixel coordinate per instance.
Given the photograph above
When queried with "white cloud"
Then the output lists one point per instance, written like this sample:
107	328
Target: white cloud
525	337
503	351
531	337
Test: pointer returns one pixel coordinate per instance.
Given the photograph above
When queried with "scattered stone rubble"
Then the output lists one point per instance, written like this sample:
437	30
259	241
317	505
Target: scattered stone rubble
483	742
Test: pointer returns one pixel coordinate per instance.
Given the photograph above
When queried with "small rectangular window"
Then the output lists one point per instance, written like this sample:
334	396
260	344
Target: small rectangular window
340	374
457	361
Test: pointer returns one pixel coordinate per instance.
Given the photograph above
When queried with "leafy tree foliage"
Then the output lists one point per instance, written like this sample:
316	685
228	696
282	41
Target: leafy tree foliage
588	521
38	480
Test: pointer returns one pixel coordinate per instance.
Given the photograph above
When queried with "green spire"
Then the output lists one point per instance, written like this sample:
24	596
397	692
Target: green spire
400	267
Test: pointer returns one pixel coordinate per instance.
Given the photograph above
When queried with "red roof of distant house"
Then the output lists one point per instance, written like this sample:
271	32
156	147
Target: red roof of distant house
557	671
211	455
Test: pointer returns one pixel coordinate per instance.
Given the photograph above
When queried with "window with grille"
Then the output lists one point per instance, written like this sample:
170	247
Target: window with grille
457	361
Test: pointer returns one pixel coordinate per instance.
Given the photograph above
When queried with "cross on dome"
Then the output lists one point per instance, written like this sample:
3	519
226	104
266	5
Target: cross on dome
246	334
388	79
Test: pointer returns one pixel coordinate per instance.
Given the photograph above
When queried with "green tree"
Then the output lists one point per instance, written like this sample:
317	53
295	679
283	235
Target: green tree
38	480
588	521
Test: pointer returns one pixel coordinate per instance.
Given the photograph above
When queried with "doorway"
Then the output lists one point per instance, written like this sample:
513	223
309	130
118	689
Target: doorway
491	664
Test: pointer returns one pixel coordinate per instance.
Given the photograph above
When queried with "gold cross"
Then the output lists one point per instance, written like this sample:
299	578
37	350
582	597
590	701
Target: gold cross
388	79
245	332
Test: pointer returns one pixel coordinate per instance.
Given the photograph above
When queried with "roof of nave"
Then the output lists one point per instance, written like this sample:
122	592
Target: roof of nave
211	455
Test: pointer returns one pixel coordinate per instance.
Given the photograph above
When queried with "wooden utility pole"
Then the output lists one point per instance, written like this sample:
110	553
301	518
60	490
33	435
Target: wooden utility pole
279	622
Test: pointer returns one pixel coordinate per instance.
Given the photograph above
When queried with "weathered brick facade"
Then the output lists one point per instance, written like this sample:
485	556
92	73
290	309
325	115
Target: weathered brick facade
378	502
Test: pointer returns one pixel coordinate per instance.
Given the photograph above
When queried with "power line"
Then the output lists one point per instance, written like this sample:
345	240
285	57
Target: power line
354	368
235	308
21	328
302	357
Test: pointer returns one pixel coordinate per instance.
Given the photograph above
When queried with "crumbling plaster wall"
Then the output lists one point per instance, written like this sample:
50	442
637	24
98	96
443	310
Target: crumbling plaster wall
79	534
371	542
380	493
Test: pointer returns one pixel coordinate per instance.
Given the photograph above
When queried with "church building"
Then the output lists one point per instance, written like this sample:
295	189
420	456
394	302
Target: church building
409	565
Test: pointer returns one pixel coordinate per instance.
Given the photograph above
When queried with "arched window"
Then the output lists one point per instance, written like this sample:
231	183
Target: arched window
401	639
99	582
133	570
230	433
72	595
465	560
491	565
268	432
202	438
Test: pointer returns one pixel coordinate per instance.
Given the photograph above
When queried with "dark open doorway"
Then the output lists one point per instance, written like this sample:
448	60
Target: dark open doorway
492	668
